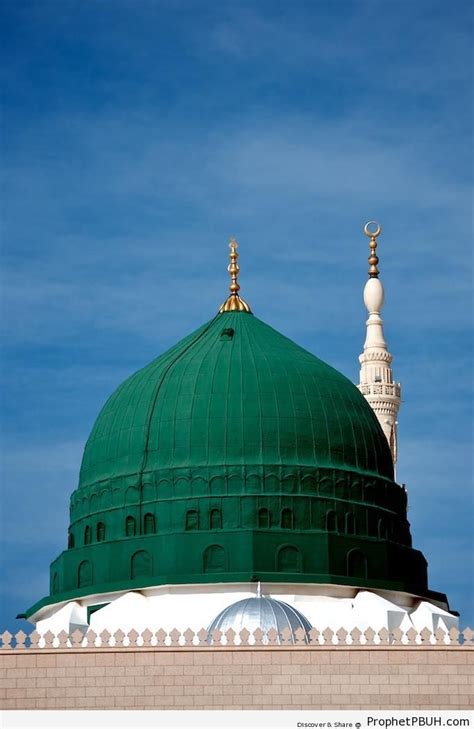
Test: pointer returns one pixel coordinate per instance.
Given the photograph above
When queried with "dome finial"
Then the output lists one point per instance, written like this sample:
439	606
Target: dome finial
234	302
373	258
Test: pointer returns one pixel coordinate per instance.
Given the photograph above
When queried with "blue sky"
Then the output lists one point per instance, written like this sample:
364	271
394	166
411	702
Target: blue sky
138	135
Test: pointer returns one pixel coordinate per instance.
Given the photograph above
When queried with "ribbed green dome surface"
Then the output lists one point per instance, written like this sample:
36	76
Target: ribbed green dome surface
236	456
234	392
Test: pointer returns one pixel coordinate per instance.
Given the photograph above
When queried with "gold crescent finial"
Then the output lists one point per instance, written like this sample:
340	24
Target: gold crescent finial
373	258
234	302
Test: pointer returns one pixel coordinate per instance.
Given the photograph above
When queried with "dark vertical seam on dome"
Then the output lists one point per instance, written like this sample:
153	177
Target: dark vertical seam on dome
276	404
209	403
250	349
163	366
130	383
317	391
290	391
311	418
175	408
116	423
242	460
226	413
197	351
139	395
340	459
190	360
155	398
162	374
133	390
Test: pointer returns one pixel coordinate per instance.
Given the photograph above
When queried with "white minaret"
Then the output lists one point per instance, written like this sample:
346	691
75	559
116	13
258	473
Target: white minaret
376	377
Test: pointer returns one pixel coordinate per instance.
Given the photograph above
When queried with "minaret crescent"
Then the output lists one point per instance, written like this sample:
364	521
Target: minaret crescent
376	377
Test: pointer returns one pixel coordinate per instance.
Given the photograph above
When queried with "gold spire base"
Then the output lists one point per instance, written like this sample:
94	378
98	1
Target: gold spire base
235	303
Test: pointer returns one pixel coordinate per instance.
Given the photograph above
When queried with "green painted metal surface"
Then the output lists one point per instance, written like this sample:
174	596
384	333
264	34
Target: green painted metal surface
234	393
237	455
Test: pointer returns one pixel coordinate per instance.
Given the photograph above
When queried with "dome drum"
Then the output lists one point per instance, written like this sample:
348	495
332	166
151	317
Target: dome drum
242	556
281	513
172	484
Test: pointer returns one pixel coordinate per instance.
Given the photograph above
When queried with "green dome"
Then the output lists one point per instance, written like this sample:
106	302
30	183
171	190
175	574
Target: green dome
234	393
236	456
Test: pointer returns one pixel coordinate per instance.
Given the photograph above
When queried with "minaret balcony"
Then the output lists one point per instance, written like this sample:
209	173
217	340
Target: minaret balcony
373	389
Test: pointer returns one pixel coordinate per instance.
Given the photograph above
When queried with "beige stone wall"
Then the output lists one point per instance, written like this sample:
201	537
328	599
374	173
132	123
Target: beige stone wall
325	677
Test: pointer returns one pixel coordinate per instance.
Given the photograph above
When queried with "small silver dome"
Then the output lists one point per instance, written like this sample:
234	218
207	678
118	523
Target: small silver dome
260	612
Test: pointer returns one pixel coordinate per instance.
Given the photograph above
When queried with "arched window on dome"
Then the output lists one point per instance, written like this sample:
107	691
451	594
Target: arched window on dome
350	523
288	559
214	559
286	519
130	526
356	491
368	493
264	519
149	526
356	564
192	520
87	535
84	574
70	541
215	519
141	564
382	529
331	521
326	486
55	583
371	519
100	531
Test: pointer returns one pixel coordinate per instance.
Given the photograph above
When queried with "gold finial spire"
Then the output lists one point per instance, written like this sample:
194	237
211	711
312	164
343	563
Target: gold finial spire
373	258
234	302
